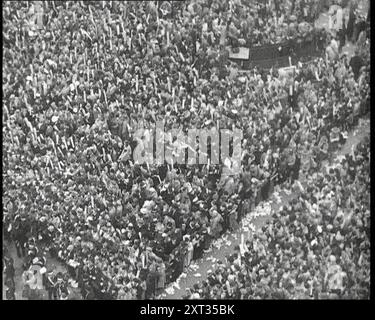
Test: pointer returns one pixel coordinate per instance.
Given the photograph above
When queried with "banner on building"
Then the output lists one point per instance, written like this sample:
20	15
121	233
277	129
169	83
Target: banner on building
242	54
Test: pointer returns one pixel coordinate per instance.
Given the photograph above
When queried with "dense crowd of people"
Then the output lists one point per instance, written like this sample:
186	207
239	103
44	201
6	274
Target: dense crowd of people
82	77
316	247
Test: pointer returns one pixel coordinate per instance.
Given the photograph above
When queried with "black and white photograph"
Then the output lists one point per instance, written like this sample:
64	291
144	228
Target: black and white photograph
186	150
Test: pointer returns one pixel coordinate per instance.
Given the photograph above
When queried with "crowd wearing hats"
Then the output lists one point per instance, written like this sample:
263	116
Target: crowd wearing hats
82	77
316	247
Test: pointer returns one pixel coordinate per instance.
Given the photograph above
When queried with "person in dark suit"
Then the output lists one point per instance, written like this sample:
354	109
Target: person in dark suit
19	236
356	63
175	265
9	271
49	284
